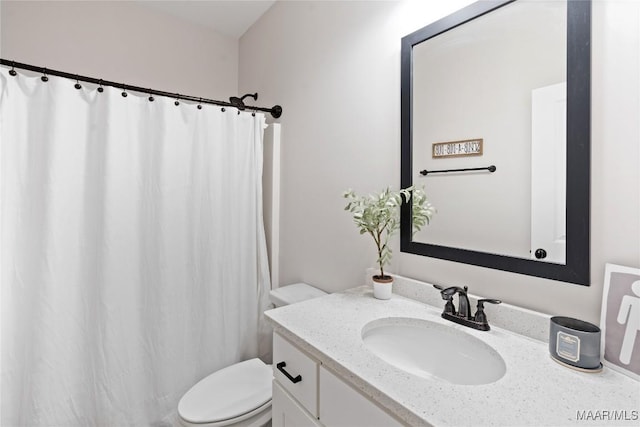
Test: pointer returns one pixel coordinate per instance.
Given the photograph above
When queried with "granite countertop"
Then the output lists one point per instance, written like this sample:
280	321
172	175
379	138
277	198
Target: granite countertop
535	390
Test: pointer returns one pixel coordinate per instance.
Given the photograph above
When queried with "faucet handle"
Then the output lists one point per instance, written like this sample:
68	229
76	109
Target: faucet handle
491	301
448	296
480	315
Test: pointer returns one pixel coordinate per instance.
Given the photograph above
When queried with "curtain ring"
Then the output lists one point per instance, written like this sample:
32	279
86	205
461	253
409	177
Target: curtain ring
177	102
223	109
44	77
151	98
124	90
199	105
77	85
13	72
100	88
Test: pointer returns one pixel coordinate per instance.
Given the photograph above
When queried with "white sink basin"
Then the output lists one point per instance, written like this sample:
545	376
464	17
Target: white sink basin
429	349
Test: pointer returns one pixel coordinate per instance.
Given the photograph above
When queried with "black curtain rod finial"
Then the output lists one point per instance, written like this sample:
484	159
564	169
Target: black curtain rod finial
276	111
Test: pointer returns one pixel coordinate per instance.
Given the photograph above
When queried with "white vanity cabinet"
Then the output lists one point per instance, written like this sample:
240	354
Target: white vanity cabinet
343	406
317	397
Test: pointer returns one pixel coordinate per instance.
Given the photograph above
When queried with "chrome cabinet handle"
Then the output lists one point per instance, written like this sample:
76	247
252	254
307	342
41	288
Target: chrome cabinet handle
281	367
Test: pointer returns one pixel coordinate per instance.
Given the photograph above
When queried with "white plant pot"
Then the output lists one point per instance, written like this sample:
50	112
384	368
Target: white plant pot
382	289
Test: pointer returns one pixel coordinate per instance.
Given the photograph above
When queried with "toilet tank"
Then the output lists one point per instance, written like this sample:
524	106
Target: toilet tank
294	293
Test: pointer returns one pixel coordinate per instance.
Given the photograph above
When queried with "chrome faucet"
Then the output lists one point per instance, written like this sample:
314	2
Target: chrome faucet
463	315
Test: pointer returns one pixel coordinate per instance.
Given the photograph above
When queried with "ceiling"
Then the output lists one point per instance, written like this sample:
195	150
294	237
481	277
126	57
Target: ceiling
229	17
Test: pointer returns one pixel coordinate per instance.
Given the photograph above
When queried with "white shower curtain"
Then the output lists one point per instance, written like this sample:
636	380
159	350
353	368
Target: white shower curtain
133	260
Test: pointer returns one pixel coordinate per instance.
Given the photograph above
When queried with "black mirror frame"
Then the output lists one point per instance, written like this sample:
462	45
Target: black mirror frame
577	267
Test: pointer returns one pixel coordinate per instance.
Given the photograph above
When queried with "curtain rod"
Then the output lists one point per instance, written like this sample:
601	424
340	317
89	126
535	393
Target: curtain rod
275	111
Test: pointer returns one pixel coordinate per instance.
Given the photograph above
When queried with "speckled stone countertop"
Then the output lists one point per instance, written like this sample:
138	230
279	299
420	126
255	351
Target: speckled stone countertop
535	390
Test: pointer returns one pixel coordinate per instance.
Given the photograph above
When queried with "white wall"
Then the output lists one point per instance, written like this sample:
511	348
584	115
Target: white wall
121	41
335	69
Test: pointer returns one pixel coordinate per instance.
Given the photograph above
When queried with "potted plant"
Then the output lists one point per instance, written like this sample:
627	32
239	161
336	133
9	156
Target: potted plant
379	216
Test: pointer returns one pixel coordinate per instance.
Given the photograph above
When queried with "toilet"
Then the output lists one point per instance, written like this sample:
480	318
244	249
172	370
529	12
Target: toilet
239	395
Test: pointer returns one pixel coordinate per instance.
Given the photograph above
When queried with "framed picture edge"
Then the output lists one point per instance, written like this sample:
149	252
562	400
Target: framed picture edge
610	268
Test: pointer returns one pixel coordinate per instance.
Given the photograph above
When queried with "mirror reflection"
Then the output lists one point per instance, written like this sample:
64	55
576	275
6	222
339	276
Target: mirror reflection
503	87
492	92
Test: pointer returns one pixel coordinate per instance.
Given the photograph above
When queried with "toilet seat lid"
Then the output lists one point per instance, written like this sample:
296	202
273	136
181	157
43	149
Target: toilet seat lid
228	393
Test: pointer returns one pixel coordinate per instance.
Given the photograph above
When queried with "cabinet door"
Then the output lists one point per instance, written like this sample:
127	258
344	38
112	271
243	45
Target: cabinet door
343	406
286	412
298	376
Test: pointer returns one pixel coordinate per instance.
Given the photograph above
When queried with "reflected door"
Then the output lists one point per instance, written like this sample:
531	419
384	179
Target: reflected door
548	173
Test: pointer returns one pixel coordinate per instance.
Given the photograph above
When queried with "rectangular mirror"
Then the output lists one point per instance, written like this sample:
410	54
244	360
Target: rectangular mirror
495	125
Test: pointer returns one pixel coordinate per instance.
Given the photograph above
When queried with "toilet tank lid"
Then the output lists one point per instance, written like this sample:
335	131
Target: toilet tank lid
228	393
294	293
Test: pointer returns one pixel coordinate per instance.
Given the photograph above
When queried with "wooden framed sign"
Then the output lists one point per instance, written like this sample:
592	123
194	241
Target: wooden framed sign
467	147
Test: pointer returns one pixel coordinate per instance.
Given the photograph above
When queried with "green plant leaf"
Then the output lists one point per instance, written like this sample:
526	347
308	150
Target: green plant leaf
379	215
